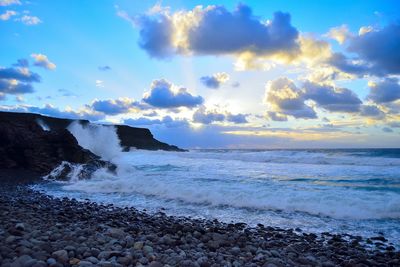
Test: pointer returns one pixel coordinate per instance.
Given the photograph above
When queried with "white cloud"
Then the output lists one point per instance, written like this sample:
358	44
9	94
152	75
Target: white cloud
9	2
7	15
99	83
30	20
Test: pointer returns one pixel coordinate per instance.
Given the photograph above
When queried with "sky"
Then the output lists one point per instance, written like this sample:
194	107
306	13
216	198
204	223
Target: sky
210	74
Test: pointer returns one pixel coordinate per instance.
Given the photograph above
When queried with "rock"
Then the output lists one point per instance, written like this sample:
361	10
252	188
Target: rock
74	261
61	256
85	264
147	250
51	261
20	226
25	145
40	264
155	264
138	245
105	255
116	233
188	263
92	260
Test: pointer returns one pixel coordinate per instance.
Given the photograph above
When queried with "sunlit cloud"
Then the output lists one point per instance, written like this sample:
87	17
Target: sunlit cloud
42	61
340	34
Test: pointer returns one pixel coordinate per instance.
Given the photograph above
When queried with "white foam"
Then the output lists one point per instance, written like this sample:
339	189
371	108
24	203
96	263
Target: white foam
102	140
253	185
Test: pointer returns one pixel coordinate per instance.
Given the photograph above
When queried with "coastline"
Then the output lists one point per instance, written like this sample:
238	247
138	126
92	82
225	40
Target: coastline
39	230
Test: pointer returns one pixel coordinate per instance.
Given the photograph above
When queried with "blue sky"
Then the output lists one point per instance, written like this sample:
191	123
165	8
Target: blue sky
249	74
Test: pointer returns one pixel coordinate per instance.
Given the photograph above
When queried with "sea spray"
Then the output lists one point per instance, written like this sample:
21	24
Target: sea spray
102	140
42	124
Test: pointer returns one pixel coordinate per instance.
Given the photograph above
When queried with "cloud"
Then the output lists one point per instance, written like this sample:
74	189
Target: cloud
210	116
17	80
9	2
207	117
353	66
104	68
387	130
376	50
235	84
387	90
275	116
340	34
285	99
372	112
115	106
52	111
30	20
394	124
43	62
99	83
214	30
331	98
214	81
7	15
163	94
20	74
237	118
15	87
166	121
22	62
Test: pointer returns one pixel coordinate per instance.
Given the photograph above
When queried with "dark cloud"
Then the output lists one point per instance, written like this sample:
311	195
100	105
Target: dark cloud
162	95
371	111
377	53
166	121
115	106
52	111
215	30
207	117
380	47
223	32
17	80
276	116
394	124
387	90
104	68
20	74
156	35
24	63
237	118
214	81
286	99
204	117
341	62
332	99
15	88
387	130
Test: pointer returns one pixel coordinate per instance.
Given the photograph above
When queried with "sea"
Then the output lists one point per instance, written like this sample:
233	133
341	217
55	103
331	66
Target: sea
353	191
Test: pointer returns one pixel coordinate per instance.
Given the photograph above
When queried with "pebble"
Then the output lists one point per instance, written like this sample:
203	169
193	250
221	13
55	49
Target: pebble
40	231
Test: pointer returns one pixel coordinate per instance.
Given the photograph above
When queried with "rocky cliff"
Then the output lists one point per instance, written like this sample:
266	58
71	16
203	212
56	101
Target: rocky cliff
130	137
24	144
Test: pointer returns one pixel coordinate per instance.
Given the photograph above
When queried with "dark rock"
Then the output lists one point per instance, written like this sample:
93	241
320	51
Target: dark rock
25	145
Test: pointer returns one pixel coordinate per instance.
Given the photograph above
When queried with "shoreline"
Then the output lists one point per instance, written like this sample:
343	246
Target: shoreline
40	230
